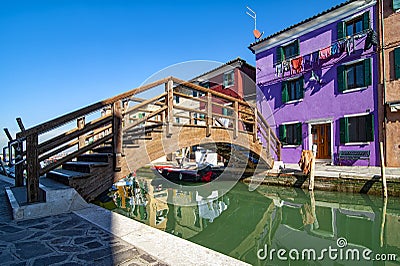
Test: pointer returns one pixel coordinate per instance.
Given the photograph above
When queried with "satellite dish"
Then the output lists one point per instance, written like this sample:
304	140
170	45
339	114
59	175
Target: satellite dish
257	34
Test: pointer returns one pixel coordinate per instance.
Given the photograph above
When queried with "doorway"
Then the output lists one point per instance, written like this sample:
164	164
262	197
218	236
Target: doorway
321	136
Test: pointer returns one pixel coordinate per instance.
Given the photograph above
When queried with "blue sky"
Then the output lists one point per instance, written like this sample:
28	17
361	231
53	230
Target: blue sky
60	55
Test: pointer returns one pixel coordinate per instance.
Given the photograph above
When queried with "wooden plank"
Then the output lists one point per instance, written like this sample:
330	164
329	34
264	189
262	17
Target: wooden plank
236	120
62	120
57	151
98	131
8	134
209	118
32	181
80	125
144	103
117	132
182	95
75	154
255	137
146	118
19	165
188	109
20	124
70	135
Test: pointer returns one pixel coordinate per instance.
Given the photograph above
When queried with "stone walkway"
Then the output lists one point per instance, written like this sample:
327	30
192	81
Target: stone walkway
65	239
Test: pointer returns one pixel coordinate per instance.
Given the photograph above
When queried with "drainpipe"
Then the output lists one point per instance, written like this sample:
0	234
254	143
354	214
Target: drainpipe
383	70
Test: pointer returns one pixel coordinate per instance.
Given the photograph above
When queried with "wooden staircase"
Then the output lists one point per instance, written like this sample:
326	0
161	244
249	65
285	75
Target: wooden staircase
112	139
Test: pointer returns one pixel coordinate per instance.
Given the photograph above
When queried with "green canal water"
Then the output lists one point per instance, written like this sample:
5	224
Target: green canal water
298	227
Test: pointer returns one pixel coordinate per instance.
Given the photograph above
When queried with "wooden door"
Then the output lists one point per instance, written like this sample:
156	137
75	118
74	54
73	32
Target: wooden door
321	135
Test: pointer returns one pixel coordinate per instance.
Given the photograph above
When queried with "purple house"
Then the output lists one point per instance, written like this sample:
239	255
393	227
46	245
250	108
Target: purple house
318	81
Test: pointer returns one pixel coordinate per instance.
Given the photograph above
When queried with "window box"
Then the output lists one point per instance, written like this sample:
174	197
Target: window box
357	130
292	90
355	75
290	134
353	26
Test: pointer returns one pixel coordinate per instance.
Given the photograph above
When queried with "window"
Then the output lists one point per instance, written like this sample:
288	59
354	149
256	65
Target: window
290	134
177	120
397	62
288	51
292	90
396	4
229	79
356	75
176	98
194	93
357	129
354	26
227	111
205	84
141	115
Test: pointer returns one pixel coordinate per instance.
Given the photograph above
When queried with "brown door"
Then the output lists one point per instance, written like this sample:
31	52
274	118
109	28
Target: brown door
321	135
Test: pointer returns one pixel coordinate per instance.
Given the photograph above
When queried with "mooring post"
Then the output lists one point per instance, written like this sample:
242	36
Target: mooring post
312	174
384	186
169	87
32	168
117	138
209	114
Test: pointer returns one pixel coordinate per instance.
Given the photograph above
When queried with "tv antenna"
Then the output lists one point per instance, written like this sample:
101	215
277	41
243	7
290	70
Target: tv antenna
257	34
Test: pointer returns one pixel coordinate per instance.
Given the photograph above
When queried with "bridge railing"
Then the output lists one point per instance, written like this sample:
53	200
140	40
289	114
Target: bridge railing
103	122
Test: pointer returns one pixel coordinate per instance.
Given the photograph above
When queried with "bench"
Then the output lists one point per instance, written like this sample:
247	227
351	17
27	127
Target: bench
354	155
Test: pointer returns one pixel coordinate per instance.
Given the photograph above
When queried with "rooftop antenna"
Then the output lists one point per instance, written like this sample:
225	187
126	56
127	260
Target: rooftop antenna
257	34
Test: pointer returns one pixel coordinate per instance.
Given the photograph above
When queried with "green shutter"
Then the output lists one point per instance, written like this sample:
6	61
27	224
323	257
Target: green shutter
369	124
297	47
344	130
396	4
367	72
285	92
366	24
301	88
341	30
280	55
299	134
397	61
282	133
341	78
224	111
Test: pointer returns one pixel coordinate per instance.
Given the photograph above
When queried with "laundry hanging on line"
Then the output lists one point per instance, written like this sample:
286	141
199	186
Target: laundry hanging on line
297	65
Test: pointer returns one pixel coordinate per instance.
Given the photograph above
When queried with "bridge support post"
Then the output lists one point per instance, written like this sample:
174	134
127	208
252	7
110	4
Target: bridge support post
81	139
236	120
169	87
19	163
33	167
117	138
209	114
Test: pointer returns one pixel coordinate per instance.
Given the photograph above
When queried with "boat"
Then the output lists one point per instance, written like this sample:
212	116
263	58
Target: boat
203	173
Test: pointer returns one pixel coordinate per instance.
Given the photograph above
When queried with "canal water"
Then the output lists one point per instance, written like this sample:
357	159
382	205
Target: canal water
271	225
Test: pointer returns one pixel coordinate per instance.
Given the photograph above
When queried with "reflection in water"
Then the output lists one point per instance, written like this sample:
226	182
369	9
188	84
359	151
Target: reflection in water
240	222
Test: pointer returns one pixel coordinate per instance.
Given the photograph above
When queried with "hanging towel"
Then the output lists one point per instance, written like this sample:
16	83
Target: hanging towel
286	66
307	62
335	48
278	70
325	53
350	45
297	65
342	46
315	59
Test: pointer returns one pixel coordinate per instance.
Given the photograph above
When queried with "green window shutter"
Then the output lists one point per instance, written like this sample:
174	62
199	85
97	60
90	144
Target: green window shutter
224	111
341	30
297	47
344	130
397	61
285	92
299	134
280	55
367	72
341	78
366	24
396	4
282	133
301	88
370	127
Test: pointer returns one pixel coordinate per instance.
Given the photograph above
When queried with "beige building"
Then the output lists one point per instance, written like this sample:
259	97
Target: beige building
389	78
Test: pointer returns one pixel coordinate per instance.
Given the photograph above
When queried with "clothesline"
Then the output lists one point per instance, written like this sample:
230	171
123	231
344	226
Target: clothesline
306	62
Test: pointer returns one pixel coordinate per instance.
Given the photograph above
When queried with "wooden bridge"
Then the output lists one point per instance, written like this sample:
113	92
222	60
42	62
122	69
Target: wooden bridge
114	137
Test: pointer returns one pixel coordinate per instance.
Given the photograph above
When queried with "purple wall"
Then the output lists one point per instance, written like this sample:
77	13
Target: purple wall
321	101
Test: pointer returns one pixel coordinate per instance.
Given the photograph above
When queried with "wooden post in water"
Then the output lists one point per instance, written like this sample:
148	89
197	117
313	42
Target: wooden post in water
209	115
33	167
382	235
117	138
384	186
312	174
236	120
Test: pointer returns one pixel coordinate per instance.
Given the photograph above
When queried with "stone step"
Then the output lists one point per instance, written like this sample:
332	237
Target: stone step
82	166
95	157
103	149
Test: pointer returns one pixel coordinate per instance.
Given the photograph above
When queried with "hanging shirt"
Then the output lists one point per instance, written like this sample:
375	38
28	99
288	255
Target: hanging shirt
286	66
335	48
307	62
325	53
350	45
342	46
297	65
278	70
315	59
